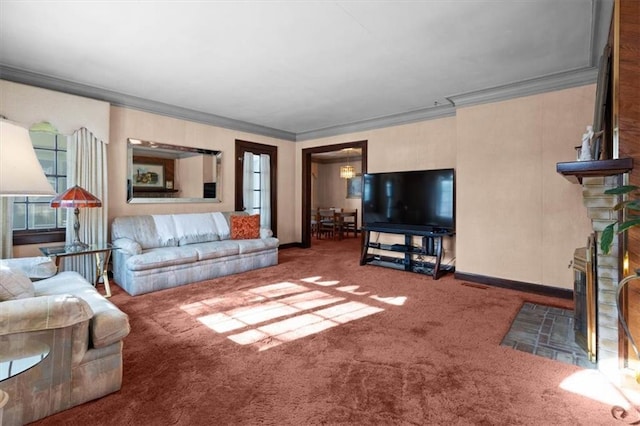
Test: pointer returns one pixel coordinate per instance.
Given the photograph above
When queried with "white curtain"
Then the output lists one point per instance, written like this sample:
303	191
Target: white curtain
247	182
6	227
248	186
265	192
87	160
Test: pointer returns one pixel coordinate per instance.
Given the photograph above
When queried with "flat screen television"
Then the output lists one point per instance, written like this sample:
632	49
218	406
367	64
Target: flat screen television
421	200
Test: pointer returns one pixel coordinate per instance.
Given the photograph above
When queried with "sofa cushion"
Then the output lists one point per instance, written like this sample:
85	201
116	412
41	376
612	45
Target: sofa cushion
14	284
160	257
141	229
108	323
245	227
217	249
195	228
256	245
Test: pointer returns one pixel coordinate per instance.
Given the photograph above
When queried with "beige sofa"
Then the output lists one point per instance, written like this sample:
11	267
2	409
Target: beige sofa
82	331
156	252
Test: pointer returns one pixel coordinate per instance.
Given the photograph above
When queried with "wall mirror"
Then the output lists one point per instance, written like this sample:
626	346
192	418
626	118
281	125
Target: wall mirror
163	173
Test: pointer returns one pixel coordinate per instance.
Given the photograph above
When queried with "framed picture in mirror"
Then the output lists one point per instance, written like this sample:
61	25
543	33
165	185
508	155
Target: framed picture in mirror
148	175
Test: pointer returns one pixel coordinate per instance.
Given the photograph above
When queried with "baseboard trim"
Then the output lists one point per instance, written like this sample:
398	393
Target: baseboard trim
289	245
516	285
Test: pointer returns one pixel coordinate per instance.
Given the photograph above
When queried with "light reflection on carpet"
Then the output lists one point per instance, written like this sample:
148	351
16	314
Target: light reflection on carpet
273	314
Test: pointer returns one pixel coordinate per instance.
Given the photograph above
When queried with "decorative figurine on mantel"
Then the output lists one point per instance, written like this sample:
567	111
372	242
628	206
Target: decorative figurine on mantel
585	151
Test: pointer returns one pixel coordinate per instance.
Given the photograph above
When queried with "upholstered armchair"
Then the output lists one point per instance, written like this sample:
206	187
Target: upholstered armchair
76	332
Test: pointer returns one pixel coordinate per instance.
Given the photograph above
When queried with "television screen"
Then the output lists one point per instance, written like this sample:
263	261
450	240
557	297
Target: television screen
422	200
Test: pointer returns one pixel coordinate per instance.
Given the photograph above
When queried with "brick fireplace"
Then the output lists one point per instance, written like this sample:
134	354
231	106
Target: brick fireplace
600	210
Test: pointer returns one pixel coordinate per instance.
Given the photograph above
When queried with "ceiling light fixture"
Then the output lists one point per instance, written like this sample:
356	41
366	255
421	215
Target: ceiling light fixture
347	171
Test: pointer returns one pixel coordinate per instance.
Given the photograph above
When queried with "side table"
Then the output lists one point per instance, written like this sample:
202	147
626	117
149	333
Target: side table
16	360
102	253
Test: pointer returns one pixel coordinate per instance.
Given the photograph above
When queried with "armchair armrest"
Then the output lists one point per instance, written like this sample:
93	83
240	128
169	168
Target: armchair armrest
33	267
42	313
128	245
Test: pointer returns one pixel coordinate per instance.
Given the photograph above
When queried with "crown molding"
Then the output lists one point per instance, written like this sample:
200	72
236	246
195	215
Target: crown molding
119	99
533	86
380	122
559	81
548	83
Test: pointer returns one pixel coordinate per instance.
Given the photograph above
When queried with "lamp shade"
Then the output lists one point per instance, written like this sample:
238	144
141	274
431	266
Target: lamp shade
20	171
75	197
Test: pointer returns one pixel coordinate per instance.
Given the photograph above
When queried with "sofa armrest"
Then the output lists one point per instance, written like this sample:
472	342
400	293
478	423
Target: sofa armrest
265	233
42	313
127	245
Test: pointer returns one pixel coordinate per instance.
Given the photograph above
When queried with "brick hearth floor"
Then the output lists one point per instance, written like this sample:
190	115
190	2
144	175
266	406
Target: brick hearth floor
548	332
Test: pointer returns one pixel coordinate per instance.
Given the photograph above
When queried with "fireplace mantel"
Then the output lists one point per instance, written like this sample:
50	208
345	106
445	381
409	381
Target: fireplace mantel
574	171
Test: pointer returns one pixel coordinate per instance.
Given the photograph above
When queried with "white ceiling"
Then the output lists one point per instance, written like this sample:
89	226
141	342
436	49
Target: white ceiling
302	69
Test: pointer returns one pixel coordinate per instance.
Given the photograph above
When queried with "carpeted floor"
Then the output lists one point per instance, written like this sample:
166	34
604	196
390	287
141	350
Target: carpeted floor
320	340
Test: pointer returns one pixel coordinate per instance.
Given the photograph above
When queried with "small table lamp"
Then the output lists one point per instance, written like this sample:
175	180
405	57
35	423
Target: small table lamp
76	197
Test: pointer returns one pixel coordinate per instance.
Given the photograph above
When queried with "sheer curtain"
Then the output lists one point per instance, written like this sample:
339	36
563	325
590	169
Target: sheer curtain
249	183
6	227
265	191
87	168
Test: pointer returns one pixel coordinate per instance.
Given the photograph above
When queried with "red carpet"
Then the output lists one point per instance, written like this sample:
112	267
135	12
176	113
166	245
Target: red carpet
335	343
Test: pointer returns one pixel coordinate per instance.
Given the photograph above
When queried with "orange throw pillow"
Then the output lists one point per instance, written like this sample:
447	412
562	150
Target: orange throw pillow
245	227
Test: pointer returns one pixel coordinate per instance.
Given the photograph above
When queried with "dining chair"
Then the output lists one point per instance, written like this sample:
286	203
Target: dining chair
315	220
350	222
327	223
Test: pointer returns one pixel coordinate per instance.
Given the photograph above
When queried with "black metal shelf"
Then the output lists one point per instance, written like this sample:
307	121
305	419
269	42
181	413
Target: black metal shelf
431	247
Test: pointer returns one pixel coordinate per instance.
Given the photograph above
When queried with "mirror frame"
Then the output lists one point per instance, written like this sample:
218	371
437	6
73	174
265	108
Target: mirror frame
132	143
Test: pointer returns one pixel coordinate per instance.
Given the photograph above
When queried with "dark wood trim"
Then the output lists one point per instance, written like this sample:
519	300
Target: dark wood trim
257	148
627	97
38	237
289	246
574	171
306	181
516	285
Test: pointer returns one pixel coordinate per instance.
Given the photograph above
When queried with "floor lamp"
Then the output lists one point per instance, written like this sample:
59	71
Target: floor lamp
20	175
20	172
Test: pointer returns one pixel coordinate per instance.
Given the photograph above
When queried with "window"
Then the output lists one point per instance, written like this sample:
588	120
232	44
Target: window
255	203
34	221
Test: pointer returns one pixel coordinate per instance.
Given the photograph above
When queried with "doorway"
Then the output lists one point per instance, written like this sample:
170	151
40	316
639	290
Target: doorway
307	178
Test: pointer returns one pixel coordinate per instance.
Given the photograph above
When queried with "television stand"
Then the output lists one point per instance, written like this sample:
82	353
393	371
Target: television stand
412	260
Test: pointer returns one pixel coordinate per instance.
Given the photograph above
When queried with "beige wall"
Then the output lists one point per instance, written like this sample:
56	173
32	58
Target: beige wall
517	218
129	123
